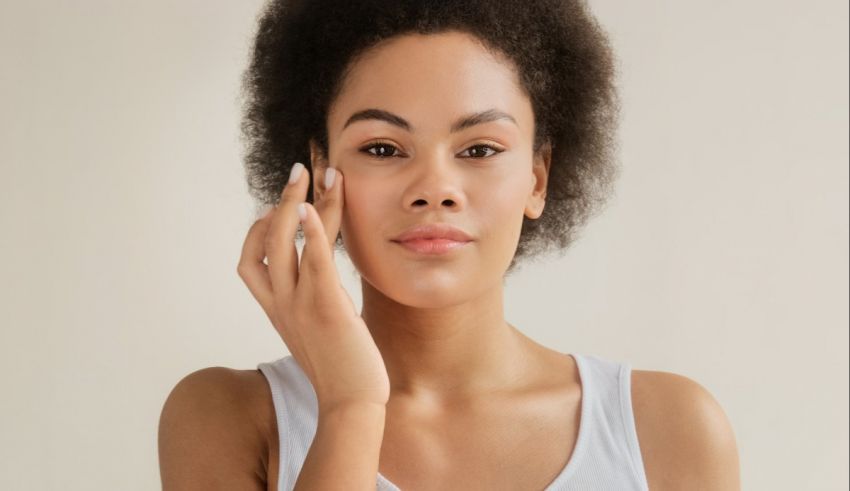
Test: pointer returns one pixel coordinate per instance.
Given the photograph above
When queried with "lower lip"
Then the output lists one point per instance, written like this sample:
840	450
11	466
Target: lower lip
432	246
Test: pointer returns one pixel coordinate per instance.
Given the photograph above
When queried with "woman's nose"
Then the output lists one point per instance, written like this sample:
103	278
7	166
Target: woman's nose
436	183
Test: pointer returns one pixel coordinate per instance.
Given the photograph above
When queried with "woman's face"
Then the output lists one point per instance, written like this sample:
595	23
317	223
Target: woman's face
482	178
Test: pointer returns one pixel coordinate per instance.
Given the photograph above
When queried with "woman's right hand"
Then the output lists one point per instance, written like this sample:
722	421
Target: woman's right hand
307	303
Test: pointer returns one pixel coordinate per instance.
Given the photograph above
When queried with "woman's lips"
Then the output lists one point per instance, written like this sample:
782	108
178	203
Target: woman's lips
432	246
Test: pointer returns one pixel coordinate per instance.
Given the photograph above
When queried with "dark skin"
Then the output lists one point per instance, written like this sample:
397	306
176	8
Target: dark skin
455	366
685	438
438	323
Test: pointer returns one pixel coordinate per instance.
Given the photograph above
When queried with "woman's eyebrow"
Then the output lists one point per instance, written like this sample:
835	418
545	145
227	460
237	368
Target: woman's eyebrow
396	120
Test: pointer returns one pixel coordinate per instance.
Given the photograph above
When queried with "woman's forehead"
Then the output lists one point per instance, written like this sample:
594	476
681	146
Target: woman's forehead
408	84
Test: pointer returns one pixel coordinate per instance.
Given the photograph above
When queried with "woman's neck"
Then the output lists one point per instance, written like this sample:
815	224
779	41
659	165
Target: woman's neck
451	353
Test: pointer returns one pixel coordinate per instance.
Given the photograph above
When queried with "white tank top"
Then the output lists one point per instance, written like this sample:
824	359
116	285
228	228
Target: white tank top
606	454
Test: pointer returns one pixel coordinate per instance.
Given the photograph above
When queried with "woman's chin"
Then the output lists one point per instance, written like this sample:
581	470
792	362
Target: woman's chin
427	284
432	290
435	300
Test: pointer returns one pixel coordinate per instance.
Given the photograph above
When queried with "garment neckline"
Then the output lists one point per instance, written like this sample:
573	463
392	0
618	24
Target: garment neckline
571	465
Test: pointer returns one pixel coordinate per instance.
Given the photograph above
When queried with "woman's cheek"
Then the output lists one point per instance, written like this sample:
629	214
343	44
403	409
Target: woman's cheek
363	209
500	215
500	197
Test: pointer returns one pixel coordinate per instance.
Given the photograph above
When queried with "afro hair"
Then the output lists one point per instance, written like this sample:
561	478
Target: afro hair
303	50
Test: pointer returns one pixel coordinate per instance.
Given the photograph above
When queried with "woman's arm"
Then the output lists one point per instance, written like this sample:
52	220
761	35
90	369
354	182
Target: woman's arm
208	439
686	440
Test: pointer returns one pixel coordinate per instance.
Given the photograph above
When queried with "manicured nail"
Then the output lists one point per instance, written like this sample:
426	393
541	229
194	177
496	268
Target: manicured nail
330	175
295	173
302	211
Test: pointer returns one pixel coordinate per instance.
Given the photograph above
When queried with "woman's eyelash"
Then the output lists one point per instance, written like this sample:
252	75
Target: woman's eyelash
381	144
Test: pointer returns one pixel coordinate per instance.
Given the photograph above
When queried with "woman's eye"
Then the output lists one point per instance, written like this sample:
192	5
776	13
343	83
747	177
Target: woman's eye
387	149
487	147
383	154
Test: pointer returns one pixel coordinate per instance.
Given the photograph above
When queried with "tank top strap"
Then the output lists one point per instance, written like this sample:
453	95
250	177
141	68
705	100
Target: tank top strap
612	443
296	413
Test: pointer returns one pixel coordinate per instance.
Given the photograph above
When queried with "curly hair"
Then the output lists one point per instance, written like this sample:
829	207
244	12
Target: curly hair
304	49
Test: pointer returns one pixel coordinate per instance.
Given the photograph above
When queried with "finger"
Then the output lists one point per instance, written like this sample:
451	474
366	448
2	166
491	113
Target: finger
317	265
254	271
330	204
280	238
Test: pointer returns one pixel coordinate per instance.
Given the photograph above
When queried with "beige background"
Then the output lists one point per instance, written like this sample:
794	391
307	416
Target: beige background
723	256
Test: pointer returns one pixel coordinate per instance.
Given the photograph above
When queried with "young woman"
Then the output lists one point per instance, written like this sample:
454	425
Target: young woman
440	143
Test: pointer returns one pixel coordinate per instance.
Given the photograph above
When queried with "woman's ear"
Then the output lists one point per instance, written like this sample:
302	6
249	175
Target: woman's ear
318	165
540	172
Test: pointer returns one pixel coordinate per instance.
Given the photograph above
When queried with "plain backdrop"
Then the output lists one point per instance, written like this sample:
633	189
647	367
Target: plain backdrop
723	255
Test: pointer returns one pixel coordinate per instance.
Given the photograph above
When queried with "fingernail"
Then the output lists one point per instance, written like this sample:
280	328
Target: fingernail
330	175
302	211
295	173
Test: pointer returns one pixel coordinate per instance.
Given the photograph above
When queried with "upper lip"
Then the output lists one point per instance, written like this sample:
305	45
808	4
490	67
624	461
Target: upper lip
433	231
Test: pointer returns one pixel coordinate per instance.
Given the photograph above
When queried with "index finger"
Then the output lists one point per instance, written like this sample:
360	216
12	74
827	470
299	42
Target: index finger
279	241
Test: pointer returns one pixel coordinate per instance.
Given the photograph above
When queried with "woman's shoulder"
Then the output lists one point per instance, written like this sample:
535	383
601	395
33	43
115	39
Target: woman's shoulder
238	393
224	412
686	439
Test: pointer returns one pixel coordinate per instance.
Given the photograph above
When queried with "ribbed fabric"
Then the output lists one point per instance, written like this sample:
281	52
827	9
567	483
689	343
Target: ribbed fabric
606	455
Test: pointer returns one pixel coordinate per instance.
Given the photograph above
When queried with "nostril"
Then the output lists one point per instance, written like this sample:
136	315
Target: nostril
424	202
